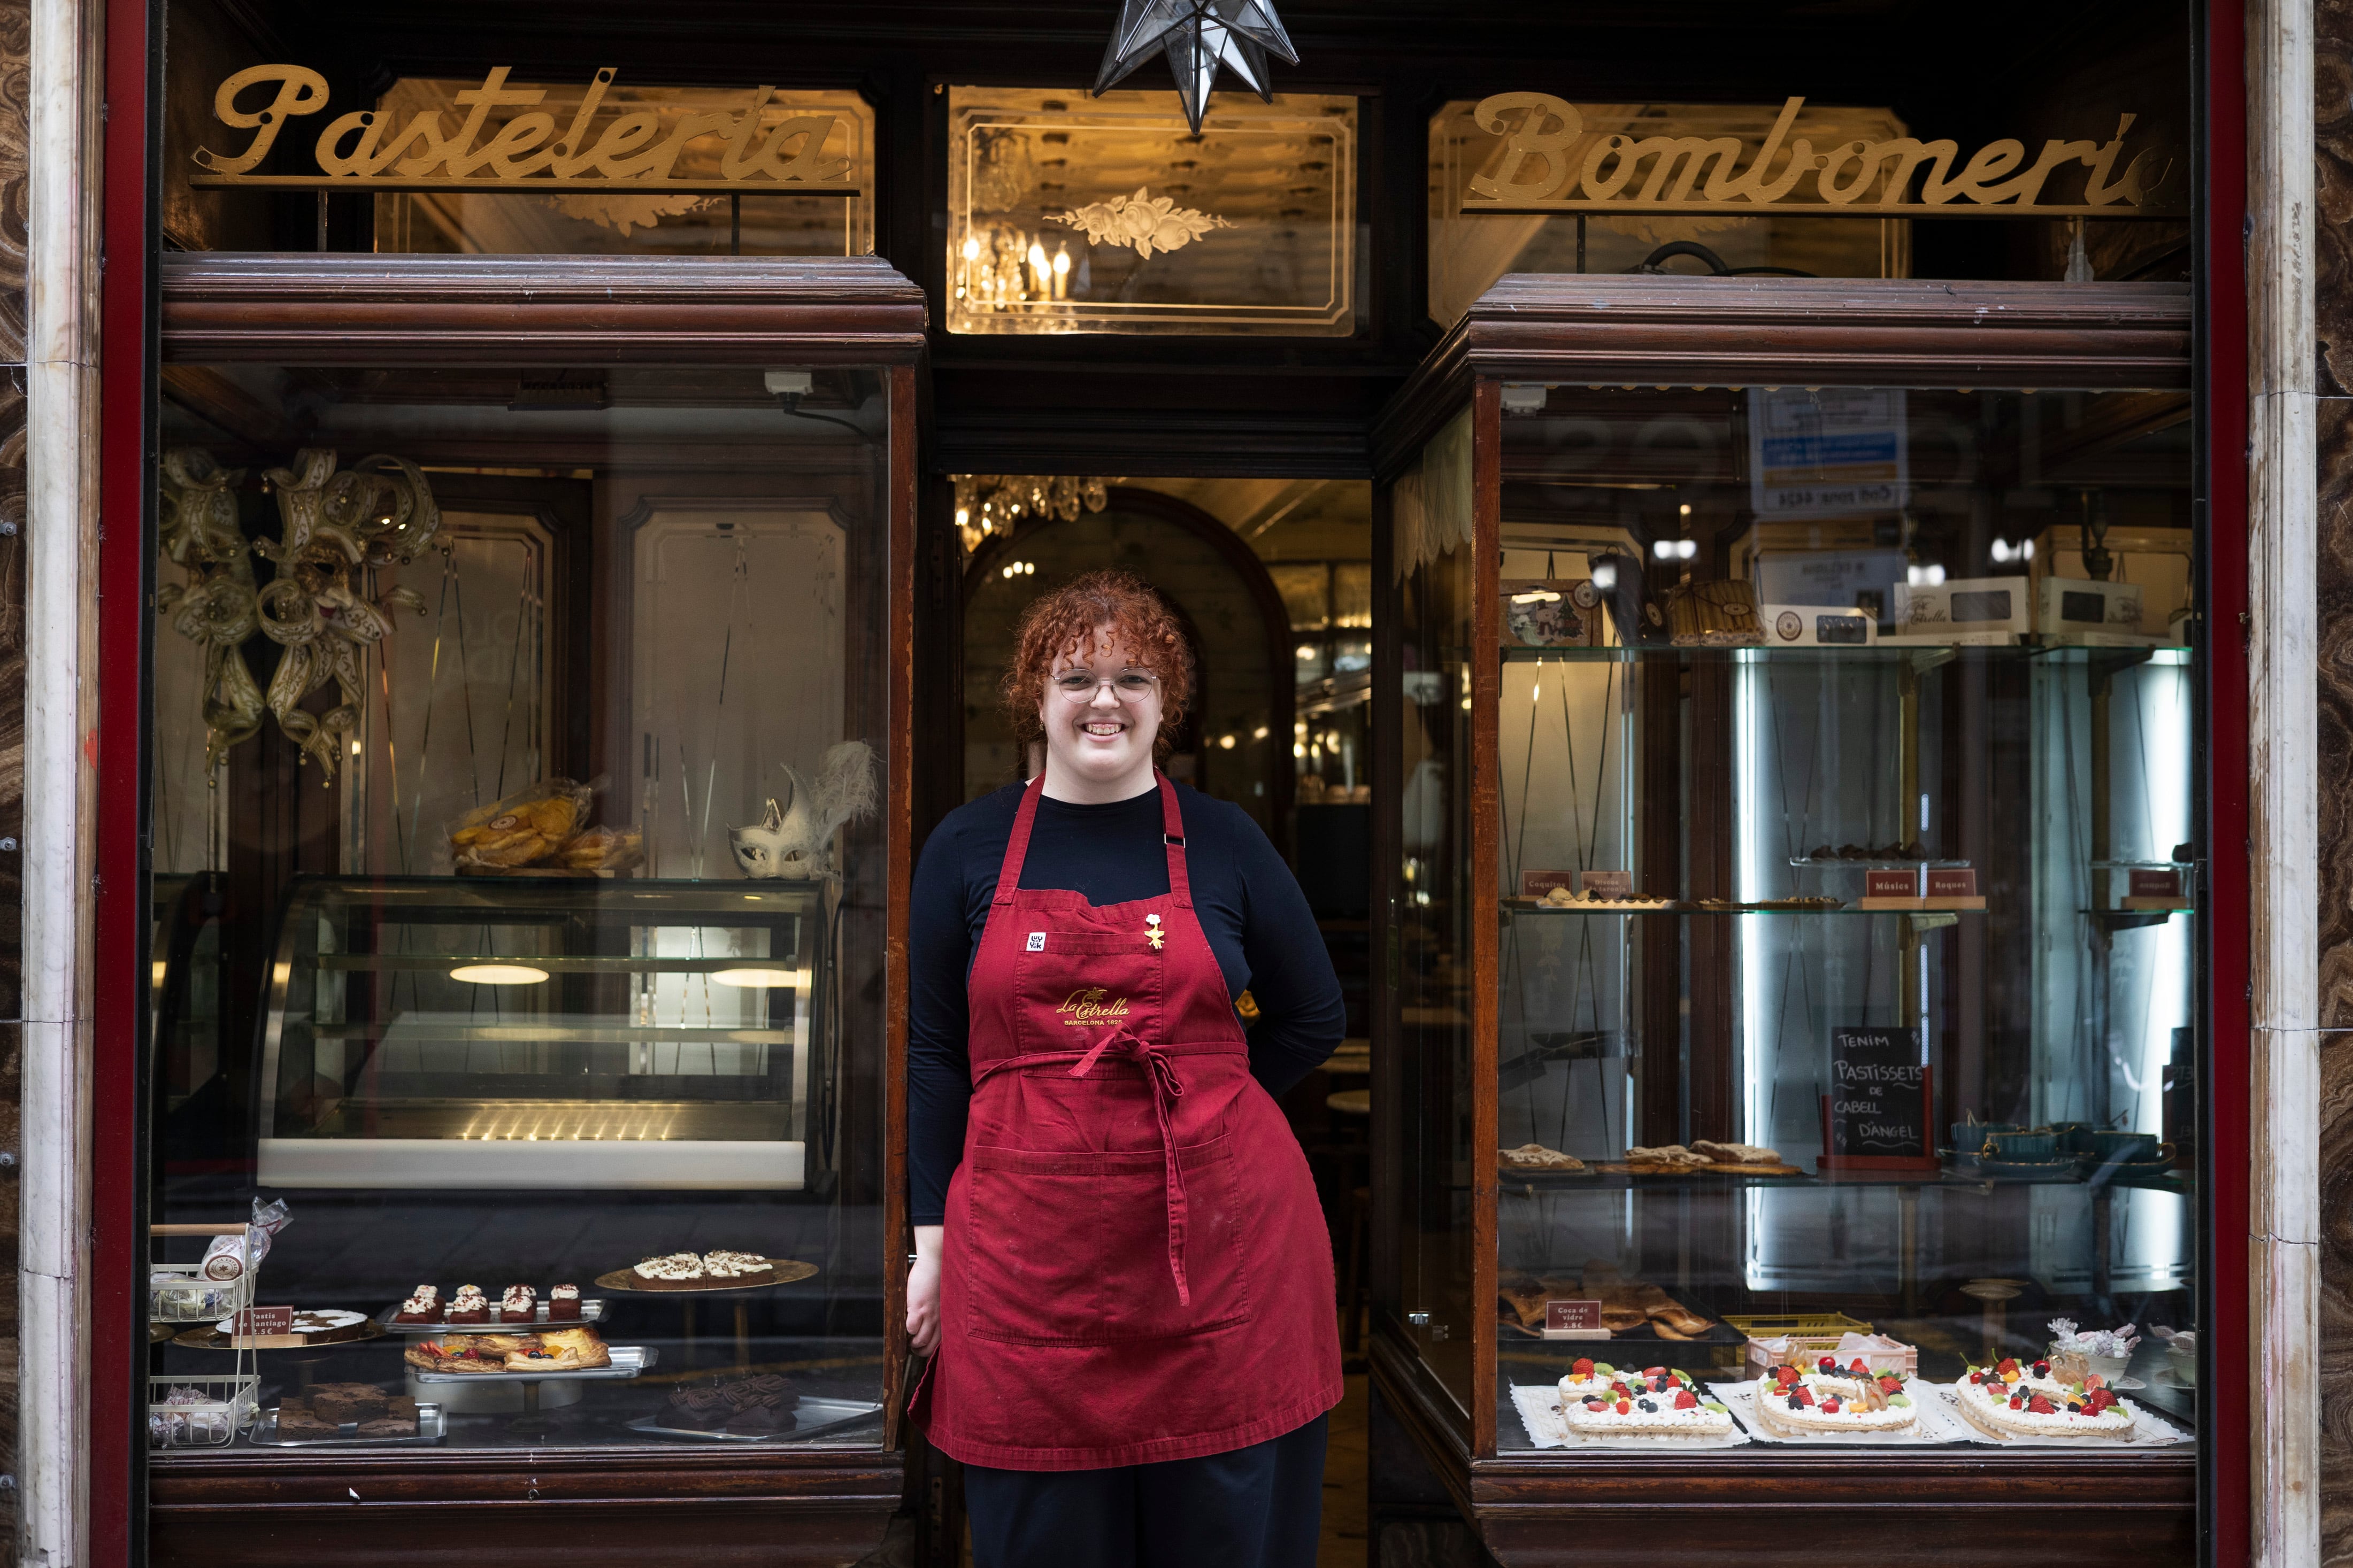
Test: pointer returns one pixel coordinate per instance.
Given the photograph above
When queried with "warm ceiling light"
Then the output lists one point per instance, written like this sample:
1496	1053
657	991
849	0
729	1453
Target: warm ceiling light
498	974
756	979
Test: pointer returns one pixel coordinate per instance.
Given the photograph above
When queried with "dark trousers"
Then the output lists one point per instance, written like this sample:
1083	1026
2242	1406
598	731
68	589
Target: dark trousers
1259	1507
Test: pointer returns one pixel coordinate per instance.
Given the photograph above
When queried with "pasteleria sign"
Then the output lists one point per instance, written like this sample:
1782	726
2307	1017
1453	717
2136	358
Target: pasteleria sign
1550	162
764	148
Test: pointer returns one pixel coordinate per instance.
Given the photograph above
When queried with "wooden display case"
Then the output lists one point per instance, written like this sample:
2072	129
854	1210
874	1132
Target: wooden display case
353	336
1672	456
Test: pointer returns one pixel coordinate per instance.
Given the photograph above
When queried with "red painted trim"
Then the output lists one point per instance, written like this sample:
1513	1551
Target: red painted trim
117	1302
2229	919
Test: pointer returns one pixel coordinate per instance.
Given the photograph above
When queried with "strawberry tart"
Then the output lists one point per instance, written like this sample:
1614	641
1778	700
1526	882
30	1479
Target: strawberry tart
2013	1399
1796	1402
1598	1401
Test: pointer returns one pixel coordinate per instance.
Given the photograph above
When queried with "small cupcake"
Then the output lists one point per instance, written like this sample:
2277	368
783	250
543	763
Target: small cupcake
519	1305
564	1304
469	1306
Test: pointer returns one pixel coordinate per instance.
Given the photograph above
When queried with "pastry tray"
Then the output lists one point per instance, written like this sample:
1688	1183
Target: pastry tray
432	1425
817	1417
628	1360
787	1271
591	1310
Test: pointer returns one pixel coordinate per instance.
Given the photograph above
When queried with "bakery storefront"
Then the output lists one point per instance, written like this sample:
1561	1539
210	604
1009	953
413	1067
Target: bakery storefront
1764	668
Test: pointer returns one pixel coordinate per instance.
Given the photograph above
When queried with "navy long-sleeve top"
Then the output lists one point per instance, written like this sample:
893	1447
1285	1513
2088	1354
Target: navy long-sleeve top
1248	903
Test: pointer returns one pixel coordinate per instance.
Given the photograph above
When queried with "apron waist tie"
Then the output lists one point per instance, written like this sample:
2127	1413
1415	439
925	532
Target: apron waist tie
1160	1071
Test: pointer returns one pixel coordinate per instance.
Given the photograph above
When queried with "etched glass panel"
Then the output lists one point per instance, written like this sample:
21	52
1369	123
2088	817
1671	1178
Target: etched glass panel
1074	214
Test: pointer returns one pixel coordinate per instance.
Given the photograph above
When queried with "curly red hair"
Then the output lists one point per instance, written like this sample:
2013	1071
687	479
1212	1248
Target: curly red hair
1130	612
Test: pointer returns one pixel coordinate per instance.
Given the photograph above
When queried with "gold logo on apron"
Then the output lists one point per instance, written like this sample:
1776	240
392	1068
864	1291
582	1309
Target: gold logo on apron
1152	932
1086	1009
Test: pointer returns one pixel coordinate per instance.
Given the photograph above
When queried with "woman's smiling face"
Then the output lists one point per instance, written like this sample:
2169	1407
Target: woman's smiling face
1101	709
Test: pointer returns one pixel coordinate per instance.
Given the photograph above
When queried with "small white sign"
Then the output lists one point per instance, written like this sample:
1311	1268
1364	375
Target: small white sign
1036	941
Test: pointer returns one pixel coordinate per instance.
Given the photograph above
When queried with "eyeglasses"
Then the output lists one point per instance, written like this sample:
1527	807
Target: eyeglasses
1128	685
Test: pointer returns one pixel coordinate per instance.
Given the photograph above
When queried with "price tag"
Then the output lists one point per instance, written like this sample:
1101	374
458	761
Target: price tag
1574	1321
1953	884
255	1322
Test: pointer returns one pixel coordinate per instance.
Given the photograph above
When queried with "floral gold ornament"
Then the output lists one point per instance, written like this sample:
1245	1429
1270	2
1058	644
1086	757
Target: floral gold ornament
1153	933
379	514
215	608
1198	36
1146	221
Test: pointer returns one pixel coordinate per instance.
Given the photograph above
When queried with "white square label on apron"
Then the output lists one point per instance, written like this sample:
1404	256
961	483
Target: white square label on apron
1036	941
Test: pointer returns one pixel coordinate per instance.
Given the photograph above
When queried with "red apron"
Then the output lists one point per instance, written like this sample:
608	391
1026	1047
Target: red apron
1135	1267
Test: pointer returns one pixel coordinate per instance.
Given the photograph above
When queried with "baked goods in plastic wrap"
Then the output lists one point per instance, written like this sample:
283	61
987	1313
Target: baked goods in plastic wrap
522	829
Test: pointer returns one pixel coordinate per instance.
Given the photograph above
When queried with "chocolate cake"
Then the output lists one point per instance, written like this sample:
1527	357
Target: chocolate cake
697	1409
564	1304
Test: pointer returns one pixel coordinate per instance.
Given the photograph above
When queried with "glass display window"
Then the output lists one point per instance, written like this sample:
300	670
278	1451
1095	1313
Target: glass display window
529	840
1792	1001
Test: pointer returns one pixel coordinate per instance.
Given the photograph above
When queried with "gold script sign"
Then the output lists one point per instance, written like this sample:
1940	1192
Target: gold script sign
630	151
1550	164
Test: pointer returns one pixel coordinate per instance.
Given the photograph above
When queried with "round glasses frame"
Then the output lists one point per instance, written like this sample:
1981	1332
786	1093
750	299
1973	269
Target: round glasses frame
1128	685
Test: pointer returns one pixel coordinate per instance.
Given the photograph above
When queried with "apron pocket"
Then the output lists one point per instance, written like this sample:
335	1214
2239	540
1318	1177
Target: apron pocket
1072	1249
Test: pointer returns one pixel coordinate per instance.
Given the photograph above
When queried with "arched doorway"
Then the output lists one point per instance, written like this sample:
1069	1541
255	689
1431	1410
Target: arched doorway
1239	732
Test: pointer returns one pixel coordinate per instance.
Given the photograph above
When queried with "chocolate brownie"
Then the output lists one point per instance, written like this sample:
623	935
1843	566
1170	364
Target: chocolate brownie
346	1402
761	1420
697	1409
389	1427
303	1423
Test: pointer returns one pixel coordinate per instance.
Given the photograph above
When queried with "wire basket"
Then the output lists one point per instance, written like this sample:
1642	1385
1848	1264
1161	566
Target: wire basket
200	1412
180	1293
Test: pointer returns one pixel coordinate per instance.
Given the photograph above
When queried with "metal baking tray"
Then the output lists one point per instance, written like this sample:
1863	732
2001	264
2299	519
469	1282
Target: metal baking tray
432	1425
591	1310
815	1418
628	1360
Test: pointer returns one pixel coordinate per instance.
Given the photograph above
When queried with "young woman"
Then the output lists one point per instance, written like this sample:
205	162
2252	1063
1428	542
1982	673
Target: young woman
1121	1275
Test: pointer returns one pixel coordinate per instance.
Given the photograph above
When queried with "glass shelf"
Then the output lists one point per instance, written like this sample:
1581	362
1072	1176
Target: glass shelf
1890	655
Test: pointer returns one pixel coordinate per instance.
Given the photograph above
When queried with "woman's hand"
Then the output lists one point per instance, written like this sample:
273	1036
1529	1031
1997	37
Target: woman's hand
923	1290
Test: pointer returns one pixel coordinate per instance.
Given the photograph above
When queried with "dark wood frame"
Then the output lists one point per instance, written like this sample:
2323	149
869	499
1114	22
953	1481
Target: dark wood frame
1544	1509
621	1504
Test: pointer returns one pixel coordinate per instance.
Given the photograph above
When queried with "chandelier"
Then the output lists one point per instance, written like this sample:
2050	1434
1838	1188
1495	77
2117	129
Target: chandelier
991	505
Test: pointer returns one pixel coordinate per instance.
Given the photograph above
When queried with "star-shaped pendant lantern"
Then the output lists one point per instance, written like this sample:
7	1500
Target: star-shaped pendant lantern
1198	36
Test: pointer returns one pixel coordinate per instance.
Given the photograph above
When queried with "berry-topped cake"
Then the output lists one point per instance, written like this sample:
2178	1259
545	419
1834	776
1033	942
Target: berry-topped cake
1792	1401
2038	1399
1597	1401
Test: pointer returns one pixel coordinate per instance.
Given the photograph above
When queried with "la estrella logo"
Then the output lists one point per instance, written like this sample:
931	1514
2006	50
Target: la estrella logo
1085	1008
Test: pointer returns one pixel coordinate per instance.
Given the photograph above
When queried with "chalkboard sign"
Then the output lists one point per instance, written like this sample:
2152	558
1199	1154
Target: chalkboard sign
1880	1109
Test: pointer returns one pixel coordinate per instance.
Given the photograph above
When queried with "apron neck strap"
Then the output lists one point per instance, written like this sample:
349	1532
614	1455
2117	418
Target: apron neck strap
1016	848
1172	838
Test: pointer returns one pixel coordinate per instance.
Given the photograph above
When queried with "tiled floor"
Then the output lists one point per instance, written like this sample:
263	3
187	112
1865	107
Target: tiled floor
1345	1458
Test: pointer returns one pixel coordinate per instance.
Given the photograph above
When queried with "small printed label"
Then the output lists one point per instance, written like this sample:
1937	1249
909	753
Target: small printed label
1903	884
1036	941
1536	884
1561	1315
1608	884
1953	884
2155	885
257	1321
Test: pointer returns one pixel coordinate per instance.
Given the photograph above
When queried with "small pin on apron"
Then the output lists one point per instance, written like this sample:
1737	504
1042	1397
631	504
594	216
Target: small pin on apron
1153	933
